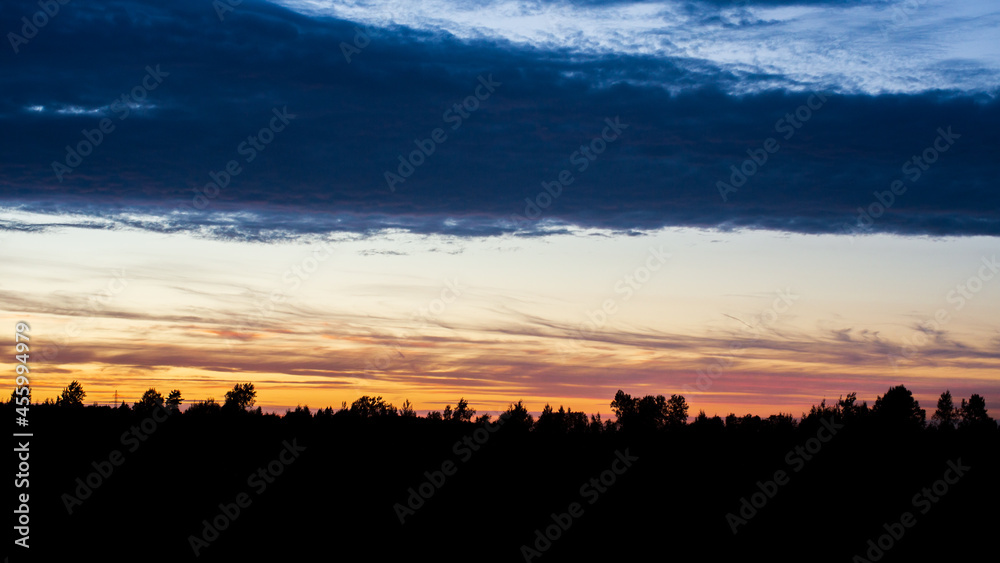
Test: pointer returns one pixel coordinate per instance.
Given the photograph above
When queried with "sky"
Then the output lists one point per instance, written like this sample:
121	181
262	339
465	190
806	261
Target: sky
754	204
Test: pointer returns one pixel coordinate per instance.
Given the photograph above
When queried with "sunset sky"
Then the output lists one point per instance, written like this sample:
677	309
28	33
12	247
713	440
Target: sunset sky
755	204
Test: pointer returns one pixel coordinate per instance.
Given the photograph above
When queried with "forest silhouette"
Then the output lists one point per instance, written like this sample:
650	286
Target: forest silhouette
211	481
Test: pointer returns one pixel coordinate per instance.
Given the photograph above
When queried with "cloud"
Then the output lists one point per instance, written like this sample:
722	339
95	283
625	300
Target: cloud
689	120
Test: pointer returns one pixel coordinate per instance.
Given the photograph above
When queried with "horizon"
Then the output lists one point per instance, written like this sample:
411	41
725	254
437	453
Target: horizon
282	410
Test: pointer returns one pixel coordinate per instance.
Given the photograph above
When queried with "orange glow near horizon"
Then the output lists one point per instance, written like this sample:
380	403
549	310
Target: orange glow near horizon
562	320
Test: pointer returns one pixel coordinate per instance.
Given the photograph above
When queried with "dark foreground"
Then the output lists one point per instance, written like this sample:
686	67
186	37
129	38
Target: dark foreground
329	489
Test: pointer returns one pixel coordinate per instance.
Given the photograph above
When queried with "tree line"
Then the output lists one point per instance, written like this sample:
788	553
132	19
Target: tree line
240	398
896	407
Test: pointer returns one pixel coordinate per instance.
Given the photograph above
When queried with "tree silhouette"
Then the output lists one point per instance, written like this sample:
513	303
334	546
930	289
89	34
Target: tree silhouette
562	421
821	412
206	407
174	400
407	409
745	423
546	457
462	412
72	395
677	411
846	409
242	397
596	426
300	413
652	412
850	410
946	415
779	421
150	400
324	414
732	421
548	421
370	407
898	406
518	417
702	421
973	413
649	412
624	406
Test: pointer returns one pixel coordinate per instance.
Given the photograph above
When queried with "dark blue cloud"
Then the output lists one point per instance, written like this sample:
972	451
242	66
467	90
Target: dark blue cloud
325	170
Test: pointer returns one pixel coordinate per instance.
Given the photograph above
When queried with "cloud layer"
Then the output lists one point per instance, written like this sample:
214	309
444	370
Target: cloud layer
692	118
